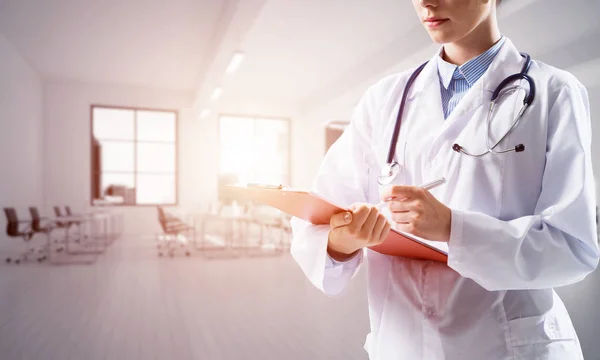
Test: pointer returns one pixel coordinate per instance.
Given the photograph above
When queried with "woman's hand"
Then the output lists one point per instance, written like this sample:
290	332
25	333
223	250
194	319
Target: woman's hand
351	231
416	211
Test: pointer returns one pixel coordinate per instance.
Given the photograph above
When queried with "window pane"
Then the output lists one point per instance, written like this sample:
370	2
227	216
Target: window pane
118	188
271	143
274	125
116	156
155	189
266	178
113	124
156	157
255	150
236	150
156	126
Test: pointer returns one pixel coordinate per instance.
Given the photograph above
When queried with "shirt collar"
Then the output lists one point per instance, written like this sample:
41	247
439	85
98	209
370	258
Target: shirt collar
472	70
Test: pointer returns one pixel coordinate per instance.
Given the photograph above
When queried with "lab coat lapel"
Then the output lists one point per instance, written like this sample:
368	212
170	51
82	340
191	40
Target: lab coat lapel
424	116
427	95
508	61
425	111
423	108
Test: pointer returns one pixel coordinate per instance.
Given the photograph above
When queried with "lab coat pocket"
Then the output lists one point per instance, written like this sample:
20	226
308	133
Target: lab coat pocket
481	178
543	337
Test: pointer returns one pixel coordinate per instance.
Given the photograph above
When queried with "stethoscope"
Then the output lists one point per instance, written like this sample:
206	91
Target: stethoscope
392	168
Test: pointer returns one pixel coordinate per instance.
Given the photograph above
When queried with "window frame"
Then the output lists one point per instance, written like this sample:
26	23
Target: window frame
135	109
287	120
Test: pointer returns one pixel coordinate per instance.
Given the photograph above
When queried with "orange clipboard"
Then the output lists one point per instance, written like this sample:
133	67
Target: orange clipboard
318	210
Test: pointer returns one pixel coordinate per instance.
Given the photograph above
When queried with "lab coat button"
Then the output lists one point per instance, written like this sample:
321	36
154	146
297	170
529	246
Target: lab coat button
430	313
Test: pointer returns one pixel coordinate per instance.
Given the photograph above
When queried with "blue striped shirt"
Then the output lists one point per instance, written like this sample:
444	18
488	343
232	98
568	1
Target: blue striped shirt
455	80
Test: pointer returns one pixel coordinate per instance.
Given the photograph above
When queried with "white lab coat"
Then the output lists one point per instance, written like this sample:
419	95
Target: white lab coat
522	223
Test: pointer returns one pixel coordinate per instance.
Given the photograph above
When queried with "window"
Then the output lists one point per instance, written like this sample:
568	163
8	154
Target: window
134	156
254	150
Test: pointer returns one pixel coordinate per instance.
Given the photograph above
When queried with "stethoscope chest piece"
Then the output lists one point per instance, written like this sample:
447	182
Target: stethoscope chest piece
388	173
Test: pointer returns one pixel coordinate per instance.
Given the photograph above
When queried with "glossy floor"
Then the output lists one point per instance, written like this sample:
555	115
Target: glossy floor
133	305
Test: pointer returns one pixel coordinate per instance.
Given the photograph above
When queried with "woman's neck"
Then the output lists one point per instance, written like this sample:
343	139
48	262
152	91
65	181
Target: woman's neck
474	44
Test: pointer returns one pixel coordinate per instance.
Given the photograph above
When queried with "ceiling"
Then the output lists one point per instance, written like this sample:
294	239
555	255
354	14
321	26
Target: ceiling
322	54
149	43
296	46
301	55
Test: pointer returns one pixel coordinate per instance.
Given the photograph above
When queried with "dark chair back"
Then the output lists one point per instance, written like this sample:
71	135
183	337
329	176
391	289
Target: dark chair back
68	210
57	211
12	222
161	218
36	220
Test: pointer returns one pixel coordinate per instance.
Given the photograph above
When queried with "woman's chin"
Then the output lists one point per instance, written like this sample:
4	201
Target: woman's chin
442	36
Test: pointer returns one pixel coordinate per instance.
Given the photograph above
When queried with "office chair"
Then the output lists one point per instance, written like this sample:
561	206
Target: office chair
57	224
172	228
272	229
68	223
287	233
62	224
14	229
69	213
42	225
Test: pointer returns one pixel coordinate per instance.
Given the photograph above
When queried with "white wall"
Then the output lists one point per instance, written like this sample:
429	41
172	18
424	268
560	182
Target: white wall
308	146
21	128
308	134
67	144
307	150
199	164
594	94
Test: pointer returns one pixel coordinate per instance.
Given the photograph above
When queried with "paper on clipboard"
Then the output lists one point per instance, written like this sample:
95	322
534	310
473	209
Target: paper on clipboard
317	210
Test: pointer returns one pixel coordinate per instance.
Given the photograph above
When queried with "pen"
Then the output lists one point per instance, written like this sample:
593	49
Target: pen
427	186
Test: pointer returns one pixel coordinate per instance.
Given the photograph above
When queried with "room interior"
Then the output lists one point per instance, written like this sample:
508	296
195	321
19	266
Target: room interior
217	76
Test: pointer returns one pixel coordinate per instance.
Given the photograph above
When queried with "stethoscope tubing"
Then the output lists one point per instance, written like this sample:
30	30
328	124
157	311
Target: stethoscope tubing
392	168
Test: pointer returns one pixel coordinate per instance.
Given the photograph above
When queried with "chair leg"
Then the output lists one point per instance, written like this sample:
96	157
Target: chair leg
25	255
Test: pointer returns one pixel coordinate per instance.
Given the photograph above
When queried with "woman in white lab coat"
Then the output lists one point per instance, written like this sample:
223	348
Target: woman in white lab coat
517	225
